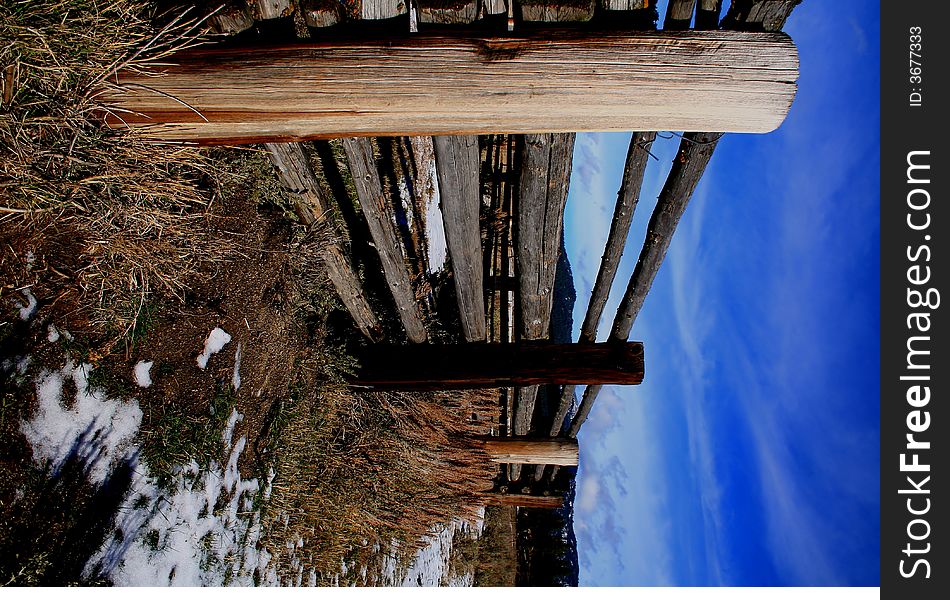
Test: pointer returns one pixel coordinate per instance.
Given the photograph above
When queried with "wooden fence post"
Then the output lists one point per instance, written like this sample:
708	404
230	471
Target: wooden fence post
482	365
531	451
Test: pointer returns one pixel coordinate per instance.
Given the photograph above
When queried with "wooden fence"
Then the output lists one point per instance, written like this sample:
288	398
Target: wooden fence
503	107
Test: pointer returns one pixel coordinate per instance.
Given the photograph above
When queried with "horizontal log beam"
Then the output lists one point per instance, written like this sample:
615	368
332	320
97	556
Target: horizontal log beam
523	500
468	366
531	451
436	85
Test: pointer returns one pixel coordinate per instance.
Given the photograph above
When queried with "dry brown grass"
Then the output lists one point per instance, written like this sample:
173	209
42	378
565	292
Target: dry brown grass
359	468
138	210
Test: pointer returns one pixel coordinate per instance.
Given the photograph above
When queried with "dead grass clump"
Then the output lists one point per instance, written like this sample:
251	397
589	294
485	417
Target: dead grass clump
355	469
139	209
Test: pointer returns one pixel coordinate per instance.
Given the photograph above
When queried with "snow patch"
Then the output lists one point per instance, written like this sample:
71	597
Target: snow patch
141	373
29	309
236	373
198	529
233	420
217	339
52	334
96	429
195	534
431	564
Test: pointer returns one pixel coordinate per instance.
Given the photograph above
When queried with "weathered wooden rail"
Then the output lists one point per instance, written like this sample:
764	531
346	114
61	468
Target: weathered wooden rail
438	85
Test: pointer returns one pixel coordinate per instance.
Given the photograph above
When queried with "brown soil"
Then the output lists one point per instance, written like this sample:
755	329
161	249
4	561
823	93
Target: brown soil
250	296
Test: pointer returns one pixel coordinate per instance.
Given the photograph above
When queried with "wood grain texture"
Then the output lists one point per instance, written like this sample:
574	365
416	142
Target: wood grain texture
231	18
447	12
553	11
523	500
262	10
297	177
480	365
380	219
759	15
432	85
531	451
679	14
321	13
382	9
539	225
456	159
624	4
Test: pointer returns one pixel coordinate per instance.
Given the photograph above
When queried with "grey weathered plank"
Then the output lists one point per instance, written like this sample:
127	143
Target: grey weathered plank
447	12
379	217
231	18
427	199
310	205
262	10
552	10
382	9
321	13
448	85
539	225
679	13
456	159
759	15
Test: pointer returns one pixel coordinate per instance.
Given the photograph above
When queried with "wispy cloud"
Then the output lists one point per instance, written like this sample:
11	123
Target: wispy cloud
621	518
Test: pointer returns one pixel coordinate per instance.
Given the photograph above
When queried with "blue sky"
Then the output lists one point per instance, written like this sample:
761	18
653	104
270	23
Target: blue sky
750	455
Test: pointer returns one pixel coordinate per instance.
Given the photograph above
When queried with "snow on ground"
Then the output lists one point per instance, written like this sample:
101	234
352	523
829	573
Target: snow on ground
141	373
201	529
29	309
236	373
431	564
202	532
215	342
52	334
96	428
